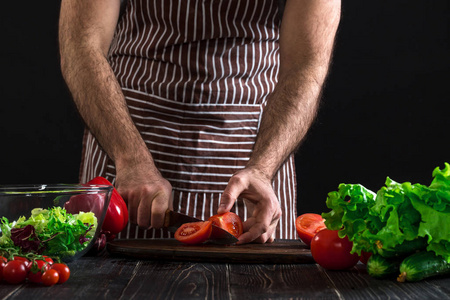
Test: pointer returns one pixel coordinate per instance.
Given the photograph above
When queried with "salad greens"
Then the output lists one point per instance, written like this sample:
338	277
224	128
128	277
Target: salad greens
397	214
52	232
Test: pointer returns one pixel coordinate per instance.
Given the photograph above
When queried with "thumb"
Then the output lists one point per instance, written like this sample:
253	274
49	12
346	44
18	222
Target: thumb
229	196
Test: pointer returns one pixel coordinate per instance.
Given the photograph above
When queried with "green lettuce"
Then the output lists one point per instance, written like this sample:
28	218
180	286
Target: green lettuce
396	214
52	232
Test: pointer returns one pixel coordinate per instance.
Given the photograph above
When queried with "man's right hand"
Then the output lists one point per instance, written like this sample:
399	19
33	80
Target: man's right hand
86	30
148	196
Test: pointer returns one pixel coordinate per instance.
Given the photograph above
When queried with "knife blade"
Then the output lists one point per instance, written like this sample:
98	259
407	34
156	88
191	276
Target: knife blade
173	220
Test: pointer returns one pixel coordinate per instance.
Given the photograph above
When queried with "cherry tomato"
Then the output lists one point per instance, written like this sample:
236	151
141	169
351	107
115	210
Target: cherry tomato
14	271
38	267
332	252
3	261
308	225
194	233
2	265
365	257
50	277
48	259
63	271
25	262
116	218
229	221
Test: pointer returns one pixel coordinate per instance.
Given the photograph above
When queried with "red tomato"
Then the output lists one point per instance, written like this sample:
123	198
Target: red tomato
117	215
48	259
308	225
229	221
365	257
14	272
63	271
194	233
38	267
50	277
2	265
25	262
331	252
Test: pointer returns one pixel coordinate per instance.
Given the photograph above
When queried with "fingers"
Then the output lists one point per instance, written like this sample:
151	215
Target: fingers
143	212
148	203
132	205
234	188
258	192
160	204
260	228
152	209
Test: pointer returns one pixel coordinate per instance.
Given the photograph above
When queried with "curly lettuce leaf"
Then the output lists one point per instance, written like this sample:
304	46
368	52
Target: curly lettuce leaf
393	218
398	214
49	231
434	208
350	211
5	238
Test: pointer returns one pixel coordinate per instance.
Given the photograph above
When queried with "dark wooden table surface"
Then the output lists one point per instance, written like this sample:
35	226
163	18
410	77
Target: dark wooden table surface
109	276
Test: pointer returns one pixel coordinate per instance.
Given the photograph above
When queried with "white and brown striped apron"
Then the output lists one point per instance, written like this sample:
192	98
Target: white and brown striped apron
196	75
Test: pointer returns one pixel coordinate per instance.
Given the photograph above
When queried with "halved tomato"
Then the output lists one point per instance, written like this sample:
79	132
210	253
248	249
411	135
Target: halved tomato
229	221
308	225
194	233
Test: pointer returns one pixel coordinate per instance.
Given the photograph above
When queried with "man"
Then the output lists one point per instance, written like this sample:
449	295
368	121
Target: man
197	105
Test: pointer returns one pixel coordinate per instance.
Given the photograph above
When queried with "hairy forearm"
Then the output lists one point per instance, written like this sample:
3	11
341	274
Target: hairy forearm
97	94
287	117
305	59
101	104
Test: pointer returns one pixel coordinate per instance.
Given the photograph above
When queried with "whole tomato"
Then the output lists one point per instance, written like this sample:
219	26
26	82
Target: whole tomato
116	218
38	267
63	271
307	225
48	259
2	265
332	252
50	277
365	257
25	261
229	221
14	271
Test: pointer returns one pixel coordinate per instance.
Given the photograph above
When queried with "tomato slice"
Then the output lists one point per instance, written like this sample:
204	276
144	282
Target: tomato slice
229	221
194	233
308	225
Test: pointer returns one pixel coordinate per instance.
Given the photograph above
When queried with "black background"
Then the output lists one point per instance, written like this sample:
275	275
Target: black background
384	110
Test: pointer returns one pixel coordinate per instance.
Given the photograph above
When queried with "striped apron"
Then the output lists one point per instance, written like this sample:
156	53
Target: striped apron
196	75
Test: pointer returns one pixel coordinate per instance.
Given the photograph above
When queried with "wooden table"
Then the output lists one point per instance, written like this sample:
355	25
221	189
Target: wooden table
108	276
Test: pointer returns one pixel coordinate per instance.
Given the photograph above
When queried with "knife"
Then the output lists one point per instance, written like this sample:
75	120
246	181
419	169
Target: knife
173	220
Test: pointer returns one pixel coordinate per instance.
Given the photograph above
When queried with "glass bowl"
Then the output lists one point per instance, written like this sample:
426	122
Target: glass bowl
58	220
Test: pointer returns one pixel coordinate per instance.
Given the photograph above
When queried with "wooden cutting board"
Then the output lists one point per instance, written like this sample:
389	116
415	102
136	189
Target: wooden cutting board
280	251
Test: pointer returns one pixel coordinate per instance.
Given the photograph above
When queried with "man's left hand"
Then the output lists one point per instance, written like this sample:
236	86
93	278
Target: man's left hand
254	187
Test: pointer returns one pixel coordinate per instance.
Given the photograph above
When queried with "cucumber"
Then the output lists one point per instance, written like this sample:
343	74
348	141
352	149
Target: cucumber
404	249
382	267
422	265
